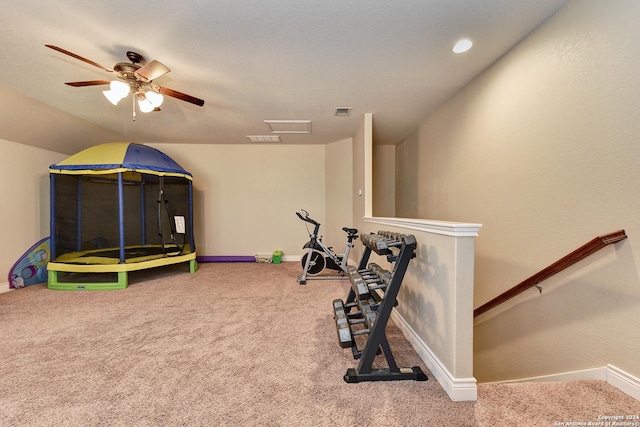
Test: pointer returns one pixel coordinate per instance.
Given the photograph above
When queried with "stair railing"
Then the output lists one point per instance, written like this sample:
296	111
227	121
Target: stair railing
582	252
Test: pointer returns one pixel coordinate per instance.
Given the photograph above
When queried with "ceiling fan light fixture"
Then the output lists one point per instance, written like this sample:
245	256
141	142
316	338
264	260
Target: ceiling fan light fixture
112	96
154	98
119	88
145	105
117	91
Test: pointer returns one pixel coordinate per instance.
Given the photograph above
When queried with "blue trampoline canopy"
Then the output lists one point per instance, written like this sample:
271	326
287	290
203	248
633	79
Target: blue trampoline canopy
119	157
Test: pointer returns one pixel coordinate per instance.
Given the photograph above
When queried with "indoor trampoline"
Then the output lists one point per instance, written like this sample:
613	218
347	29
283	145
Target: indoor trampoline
116	208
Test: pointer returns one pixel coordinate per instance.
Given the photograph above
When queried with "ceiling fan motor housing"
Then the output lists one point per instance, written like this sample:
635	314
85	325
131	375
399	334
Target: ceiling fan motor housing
126	70
126	73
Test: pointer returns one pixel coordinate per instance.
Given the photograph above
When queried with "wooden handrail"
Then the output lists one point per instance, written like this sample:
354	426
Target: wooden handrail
582	252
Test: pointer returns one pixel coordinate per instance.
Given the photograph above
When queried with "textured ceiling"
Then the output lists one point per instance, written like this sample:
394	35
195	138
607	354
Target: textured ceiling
261	60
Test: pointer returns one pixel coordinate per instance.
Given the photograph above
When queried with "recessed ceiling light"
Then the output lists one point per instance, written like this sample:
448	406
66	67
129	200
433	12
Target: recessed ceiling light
462	46
264	138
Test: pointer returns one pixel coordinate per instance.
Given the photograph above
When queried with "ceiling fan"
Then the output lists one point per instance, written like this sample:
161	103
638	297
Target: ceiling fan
133	77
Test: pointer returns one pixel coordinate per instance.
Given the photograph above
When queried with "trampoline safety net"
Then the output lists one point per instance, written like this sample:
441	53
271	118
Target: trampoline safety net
156	216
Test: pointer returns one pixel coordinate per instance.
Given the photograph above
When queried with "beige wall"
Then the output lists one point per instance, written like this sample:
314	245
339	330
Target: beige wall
339	193
245	197
542	149
25	194
361	145
30	122
407	178
384	180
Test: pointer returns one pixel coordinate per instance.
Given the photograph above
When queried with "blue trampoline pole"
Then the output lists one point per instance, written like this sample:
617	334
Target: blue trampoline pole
79	215
142	213
192	241
52	214
121	215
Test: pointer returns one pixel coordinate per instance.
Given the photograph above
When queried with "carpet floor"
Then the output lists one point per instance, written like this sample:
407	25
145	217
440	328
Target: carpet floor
236	344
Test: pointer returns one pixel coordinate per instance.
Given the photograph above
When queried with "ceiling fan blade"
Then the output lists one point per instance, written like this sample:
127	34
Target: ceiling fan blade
73	55
181	96
151	71
88	83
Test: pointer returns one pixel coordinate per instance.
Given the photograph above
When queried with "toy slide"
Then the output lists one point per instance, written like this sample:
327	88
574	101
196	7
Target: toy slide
31	267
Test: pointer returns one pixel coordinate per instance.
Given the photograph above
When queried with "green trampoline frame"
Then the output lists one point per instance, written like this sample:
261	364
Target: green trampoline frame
101	265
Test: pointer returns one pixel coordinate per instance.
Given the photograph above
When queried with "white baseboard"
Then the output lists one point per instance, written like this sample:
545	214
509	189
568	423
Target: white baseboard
285	258
458	389
585	374
618	378
4	287
623	381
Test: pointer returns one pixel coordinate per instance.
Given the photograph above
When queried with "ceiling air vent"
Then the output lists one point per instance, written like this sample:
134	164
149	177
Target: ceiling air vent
343	111
264	138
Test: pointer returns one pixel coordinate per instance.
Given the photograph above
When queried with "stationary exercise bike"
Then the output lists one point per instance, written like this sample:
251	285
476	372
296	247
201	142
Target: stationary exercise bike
319	256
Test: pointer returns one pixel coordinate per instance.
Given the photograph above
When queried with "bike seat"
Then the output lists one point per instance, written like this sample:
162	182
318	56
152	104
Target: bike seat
350	230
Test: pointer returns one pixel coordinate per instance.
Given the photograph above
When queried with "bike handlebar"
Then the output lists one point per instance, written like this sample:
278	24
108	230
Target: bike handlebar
306	217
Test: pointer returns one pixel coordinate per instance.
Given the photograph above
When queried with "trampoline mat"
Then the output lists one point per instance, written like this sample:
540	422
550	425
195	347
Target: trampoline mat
133	252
